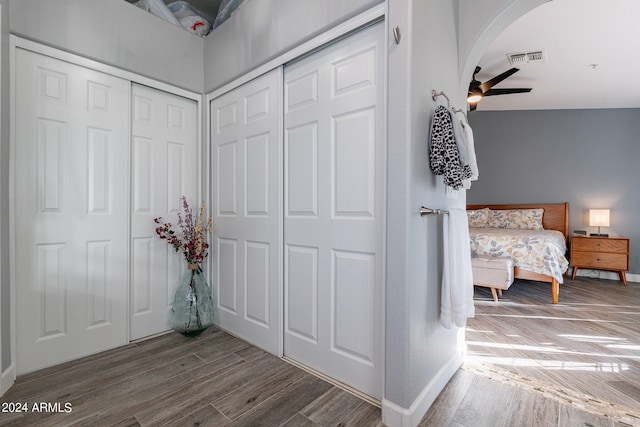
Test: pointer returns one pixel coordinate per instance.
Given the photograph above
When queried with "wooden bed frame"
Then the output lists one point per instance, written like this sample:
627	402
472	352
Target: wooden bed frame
555	217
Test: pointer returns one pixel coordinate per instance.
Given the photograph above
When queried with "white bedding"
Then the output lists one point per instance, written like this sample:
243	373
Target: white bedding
540	251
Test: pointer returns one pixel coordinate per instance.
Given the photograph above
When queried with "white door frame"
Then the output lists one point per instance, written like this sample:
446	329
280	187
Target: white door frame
366	18
15	42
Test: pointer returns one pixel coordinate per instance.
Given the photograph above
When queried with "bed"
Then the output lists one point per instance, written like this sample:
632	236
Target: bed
537	254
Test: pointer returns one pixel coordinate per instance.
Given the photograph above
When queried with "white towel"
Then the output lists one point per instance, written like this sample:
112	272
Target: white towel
459	135
471	150
457	279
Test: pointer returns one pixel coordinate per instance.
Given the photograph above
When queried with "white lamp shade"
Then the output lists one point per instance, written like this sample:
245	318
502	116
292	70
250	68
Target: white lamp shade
599	217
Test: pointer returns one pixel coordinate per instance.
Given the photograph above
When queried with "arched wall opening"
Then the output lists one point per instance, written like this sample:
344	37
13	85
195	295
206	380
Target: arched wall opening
480	23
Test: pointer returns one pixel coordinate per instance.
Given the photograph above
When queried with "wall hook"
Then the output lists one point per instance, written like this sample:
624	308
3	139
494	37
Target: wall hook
396	34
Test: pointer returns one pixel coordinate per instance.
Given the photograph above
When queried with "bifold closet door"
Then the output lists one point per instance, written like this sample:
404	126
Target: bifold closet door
334	184
164	168
71	169
247	199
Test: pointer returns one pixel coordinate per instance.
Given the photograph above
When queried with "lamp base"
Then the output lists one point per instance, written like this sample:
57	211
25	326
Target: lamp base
598	235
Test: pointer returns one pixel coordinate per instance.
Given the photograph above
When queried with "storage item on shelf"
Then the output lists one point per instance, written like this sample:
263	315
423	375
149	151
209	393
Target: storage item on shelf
190	18
226	9
158	8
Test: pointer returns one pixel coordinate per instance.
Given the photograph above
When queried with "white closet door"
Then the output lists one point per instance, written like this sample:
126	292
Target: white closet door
246	140
335	168
71	210
165	167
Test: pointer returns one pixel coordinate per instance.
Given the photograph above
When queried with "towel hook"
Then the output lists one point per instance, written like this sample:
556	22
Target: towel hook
460	110
435	95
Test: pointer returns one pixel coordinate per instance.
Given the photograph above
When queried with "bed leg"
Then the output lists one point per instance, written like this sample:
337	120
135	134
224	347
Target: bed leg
555	291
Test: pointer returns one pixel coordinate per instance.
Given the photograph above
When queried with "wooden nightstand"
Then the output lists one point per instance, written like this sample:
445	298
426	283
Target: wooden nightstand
600	253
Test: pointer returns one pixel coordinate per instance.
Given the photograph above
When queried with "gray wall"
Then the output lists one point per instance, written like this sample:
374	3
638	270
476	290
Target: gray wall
418	348
586	157
115	33
276	26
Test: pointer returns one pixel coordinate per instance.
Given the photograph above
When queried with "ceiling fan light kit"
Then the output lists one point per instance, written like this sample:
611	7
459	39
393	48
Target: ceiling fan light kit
475	95
478	90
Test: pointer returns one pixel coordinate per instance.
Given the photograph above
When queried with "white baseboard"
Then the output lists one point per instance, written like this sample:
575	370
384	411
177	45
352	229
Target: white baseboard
608	275
7	379
394	415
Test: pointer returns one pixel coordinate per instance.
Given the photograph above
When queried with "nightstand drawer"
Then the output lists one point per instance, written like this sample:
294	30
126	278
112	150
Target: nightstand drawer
599	261
620	246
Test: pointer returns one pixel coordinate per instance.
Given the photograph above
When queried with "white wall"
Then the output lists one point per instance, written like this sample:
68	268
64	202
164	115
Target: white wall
420	354
116	33
262	30
441	44
5	306
480	22
440	41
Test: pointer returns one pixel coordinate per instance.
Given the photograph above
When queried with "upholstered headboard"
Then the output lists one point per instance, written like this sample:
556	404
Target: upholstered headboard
555	216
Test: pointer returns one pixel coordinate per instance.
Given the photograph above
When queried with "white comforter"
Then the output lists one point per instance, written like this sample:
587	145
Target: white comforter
540	251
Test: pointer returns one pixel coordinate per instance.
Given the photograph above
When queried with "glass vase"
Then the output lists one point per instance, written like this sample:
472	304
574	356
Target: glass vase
192	310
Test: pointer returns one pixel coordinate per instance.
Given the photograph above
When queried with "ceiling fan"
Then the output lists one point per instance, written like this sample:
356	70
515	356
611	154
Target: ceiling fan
478	90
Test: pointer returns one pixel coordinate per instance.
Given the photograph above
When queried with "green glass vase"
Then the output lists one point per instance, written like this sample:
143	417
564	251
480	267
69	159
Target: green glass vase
192	309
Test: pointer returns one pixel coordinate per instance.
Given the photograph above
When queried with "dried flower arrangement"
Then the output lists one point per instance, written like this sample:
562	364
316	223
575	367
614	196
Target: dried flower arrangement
192	241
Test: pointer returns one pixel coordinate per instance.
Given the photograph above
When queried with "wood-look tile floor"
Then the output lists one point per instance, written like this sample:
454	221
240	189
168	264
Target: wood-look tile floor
525	357
571	364
214	379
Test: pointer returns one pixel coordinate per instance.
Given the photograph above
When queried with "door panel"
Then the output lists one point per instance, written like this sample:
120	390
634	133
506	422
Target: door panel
334	182
71	210
246	141
165	167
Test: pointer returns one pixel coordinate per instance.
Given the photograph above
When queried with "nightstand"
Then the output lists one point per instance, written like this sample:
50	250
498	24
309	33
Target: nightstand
600	253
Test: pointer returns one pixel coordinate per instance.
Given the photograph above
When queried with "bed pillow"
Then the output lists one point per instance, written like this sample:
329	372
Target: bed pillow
479	218
523	219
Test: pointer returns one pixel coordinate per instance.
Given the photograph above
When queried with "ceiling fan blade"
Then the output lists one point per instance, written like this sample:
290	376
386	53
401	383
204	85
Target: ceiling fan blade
497	79
506	91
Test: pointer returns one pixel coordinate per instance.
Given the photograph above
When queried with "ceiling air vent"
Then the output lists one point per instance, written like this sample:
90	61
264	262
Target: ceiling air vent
517	58
520	58
538	55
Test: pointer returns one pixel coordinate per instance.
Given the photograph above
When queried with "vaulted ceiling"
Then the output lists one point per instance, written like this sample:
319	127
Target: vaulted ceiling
591	58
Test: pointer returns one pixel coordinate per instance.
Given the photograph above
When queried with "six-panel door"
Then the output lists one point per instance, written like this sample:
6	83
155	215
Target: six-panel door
335	153
71	211
246	141
164	168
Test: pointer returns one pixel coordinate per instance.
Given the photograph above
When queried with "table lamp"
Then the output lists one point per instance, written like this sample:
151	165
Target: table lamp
599	218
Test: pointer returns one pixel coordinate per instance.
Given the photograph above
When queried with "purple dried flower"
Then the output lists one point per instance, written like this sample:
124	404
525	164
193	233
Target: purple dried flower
192	242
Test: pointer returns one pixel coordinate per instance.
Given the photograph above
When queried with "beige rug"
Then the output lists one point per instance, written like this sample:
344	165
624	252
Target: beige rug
563	395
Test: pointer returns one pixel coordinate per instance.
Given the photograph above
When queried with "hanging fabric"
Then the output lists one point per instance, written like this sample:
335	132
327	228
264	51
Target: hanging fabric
456	304
444	156
471	150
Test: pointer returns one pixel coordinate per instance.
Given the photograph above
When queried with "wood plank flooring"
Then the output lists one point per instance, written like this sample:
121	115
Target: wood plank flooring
214	379
571	364
530	364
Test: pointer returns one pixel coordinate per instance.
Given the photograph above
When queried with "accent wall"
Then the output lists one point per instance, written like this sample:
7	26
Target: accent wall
585	157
